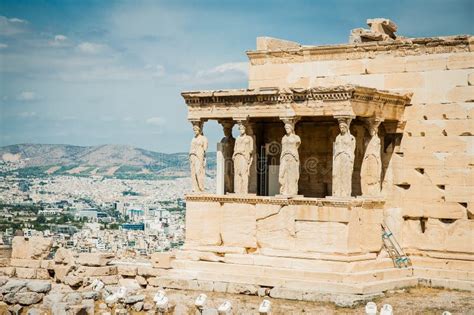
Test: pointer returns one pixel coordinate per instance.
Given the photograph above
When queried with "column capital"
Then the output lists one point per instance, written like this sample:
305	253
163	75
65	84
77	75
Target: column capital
290	119
344	118
226	123
197	121
241	119
372	122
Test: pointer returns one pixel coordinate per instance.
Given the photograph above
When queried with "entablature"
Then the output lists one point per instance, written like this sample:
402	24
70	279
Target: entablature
350	202
347	100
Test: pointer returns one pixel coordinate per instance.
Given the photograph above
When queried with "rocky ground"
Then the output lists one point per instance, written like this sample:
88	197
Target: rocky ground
35	297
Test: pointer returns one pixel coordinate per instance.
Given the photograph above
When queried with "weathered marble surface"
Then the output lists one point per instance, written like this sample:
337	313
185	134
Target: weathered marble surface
228	143
242	157
371	169
197	159
343	161
289	162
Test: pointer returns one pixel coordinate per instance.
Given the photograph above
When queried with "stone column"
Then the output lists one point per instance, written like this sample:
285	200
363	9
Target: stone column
225	165
371	168
220	169
253	168
289	159
197	157
343	159
243	159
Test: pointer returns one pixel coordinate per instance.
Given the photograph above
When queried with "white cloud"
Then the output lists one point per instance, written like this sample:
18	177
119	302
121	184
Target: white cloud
226	72
157	121
90	48
156	70
59	40
11	26
17	20
239	67
3	46
27	96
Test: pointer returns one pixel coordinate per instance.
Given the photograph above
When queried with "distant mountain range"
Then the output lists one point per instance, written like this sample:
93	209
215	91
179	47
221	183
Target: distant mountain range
118	161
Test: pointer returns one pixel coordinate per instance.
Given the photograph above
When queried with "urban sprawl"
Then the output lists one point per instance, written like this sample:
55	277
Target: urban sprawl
95	214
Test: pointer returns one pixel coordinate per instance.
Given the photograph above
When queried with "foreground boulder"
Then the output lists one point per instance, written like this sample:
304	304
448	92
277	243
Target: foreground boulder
35	247
12	286
39	286
23	298
94	259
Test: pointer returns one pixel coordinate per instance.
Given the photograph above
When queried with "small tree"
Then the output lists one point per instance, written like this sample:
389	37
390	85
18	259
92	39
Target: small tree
41	219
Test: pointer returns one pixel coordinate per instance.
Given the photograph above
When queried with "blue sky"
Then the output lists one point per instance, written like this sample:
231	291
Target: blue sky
111	72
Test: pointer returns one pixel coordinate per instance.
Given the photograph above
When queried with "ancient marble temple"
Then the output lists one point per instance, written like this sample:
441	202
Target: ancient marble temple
334	145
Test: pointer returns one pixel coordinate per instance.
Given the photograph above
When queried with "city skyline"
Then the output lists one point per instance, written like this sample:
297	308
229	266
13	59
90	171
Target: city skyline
91	73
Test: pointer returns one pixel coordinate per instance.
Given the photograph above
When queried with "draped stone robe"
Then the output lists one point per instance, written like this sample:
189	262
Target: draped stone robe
371	169
197	162
343	165
289	165
242	158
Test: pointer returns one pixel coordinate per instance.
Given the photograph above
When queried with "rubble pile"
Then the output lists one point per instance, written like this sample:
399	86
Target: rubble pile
66	281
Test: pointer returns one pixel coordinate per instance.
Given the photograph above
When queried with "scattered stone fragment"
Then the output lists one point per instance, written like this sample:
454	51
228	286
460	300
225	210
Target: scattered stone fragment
7	271
121	311
90	295
13	286
89	304
9	298
77	310
138	306
15	309
39	286
263	291
34	311
240	288
3	281
73	281
59	309
64	256
73	298
209	311
35	247
141	280
60	272
94	259
131	299
147	306
52	299
130	284
28	298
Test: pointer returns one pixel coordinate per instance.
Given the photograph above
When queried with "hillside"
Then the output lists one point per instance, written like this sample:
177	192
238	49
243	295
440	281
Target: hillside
119	161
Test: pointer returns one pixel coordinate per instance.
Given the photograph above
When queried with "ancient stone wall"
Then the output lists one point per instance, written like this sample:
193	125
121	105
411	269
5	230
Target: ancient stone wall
429	181
333	228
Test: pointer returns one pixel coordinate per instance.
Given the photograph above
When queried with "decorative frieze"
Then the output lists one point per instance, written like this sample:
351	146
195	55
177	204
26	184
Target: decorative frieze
251	199
275	102
397	47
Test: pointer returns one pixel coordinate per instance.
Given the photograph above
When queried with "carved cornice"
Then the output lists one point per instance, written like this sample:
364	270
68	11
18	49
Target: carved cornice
399	47
275	102
293	95
334	202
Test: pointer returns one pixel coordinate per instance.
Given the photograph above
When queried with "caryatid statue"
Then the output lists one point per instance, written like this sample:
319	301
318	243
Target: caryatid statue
289	161
228	143
343	160
371	169
242	157
197	158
